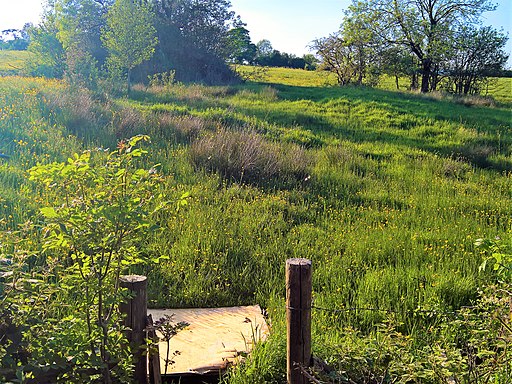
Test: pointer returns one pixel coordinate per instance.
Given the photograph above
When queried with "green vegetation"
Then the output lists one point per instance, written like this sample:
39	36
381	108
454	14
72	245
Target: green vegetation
385	191
438	45
12	62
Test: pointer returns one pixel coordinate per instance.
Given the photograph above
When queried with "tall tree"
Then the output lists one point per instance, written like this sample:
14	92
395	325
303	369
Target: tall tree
264	48
15	39
48	57
130	36
422	26
204	23
239	48
477	53
79	24
337	56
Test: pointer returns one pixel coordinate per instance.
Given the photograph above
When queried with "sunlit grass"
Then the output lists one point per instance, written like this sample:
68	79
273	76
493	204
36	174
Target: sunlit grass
13	61
397	188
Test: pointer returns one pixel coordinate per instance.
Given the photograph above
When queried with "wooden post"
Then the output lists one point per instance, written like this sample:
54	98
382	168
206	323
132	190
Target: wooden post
298	318
135	310
155	375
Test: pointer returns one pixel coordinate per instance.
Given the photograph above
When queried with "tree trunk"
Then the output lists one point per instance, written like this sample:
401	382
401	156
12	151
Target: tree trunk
425	75
414	81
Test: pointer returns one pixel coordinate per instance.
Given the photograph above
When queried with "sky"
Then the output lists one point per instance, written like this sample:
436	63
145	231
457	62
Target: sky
290	25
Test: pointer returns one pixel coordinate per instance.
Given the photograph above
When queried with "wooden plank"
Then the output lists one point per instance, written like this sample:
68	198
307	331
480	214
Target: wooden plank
155	376
214	339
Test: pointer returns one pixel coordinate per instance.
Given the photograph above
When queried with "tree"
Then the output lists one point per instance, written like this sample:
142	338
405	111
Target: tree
424	27
48	57
477	54
311	62
15	39
264	48
204	23
79	24
240	49
396	61
130	36
193	35
338	57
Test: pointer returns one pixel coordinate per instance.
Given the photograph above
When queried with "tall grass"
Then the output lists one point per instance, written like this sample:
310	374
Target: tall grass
385	192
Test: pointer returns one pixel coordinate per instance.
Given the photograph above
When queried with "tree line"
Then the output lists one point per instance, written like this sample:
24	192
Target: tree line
437	44
86	40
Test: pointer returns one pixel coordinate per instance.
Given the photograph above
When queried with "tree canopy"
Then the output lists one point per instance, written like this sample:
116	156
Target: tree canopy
421	36
196	38
129	40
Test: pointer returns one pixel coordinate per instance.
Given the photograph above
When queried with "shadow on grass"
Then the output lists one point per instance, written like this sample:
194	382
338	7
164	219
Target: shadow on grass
315	116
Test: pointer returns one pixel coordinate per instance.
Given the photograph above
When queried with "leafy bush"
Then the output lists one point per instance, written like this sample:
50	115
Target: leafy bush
67	266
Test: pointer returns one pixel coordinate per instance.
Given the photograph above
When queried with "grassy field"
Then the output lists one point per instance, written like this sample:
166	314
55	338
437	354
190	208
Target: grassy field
386	192
499	89
12	62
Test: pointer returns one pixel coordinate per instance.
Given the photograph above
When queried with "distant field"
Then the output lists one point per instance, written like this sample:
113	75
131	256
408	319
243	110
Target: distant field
287	76
12	61
499	88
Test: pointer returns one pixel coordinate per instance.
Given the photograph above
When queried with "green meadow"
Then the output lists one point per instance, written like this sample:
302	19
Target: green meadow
11	62
385	191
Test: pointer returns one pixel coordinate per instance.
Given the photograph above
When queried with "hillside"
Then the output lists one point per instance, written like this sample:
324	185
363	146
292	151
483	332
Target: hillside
386	192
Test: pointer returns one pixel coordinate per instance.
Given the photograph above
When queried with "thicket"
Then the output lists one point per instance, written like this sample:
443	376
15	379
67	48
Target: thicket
380	190
81	40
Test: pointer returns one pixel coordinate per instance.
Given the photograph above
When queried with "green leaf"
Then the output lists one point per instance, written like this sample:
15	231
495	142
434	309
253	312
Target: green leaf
49	212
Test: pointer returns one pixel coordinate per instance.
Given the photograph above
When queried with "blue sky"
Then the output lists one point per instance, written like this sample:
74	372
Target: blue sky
290	25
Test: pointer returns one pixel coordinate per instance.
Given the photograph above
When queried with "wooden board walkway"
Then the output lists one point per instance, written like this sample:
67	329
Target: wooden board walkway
214	339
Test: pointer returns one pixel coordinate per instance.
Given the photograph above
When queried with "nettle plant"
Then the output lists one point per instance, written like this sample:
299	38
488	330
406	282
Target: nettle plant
102	204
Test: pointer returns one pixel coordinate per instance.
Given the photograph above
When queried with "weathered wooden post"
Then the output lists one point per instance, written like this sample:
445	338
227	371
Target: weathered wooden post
298	318
135	310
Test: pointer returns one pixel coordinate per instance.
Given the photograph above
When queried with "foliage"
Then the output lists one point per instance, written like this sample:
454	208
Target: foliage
82	70
168	329
339	57
129	40
477	54
239	48
15	39
205	24
80	23
48	57
99	213
424	29
165	79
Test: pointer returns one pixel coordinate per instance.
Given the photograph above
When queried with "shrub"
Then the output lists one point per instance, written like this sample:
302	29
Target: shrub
102	205
82	70
74	108
456	169
180	128
126	122
247	157
477	154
